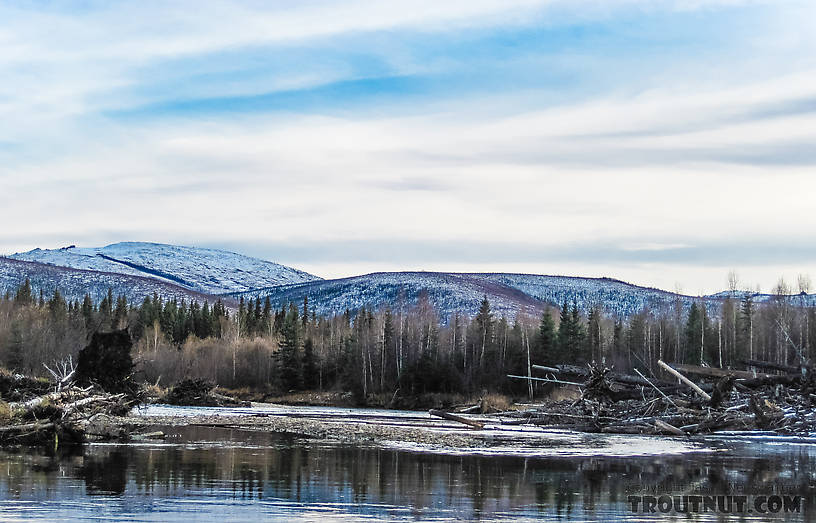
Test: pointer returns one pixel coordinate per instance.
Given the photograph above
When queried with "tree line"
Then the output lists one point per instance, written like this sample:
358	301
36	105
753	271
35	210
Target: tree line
408	349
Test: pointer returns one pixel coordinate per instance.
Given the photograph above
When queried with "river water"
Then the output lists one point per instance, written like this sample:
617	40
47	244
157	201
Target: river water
223	474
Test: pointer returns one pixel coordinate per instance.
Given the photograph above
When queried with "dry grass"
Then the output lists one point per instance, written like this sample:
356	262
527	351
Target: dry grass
495	403
564	393
5	412
154	391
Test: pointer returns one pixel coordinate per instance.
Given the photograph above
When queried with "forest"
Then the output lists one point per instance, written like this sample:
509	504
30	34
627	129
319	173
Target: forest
262	347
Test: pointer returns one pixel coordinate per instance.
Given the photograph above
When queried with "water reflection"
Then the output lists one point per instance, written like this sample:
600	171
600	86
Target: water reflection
237	475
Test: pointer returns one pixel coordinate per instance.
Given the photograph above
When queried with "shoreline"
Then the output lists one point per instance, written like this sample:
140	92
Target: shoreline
421	433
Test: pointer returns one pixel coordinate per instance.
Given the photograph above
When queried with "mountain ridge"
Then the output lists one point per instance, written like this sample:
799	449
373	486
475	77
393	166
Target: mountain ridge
211	274
206	270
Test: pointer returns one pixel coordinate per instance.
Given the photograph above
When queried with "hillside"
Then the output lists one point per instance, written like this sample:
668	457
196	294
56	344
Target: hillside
136	269
209	271
463	292
75	283
448	292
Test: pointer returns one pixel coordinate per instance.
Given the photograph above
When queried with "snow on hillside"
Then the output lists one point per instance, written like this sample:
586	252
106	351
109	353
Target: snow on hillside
210	271
185	271
448	292
616	297
463	292
803	300
75	283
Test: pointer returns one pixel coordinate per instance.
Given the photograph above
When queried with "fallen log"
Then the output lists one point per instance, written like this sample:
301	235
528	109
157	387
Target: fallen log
657	389
583	372
772	366
36	402
71	408
718	373
25	428
668	428
685	380
546	380
453	417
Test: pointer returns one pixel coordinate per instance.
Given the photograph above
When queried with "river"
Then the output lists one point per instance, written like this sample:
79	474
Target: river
224	474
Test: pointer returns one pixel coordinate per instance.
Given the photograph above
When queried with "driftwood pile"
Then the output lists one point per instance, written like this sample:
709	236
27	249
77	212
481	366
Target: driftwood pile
781	399
200	393
69	415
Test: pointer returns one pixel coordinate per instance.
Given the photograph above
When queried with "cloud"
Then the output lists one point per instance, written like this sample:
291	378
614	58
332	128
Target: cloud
430	133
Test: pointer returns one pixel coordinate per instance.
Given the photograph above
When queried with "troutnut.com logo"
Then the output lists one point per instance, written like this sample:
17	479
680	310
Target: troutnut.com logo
666	504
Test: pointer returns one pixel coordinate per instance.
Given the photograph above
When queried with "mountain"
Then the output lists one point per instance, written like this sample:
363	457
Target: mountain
137	269
801	299
463	292
75	283
448	293
209	271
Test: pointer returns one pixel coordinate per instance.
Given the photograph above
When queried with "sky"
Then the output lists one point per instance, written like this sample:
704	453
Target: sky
661	142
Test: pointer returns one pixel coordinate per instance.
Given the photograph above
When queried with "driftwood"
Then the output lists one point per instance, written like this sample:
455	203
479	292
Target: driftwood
68	416
722	400
453	417
719	373
200	393
656	388
584	372
668	428
769	365
685	380
546	380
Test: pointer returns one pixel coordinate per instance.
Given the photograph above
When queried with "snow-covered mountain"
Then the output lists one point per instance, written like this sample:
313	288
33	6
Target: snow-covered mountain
463	292
801	300
616	297
210	271
137	269
448	293
75	283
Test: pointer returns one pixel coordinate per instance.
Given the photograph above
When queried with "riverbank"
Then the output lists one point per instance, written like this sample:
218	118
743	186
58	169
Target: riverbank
332	424
406	430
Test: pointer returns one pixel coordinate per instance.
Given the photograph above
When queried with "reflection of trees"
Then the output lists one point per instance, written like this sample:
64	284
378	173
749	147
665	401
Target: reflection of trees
378	482
105	473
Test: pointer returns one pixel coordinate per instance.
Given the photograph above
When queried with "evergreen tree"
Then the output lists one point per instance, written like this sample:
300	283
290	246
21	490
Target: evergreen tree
570	334
57	307
310	372
289	353
24	294
594	338
617	337
106	310
546	340
204	326
701	343
305	317
120	313
745	327
484	324
267	315
87	311
15	346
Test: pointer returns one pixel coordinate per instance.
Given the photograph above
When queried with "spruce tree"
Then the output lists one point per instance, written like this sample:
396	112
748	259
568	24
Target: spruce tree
15	346
310	372
24	294
87	311
545	341
305	317
571	334
484	323
289	353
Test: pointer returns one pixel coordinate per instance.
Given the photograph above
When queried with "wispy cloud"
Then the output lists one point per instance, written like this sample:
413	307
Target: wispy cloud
526	134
